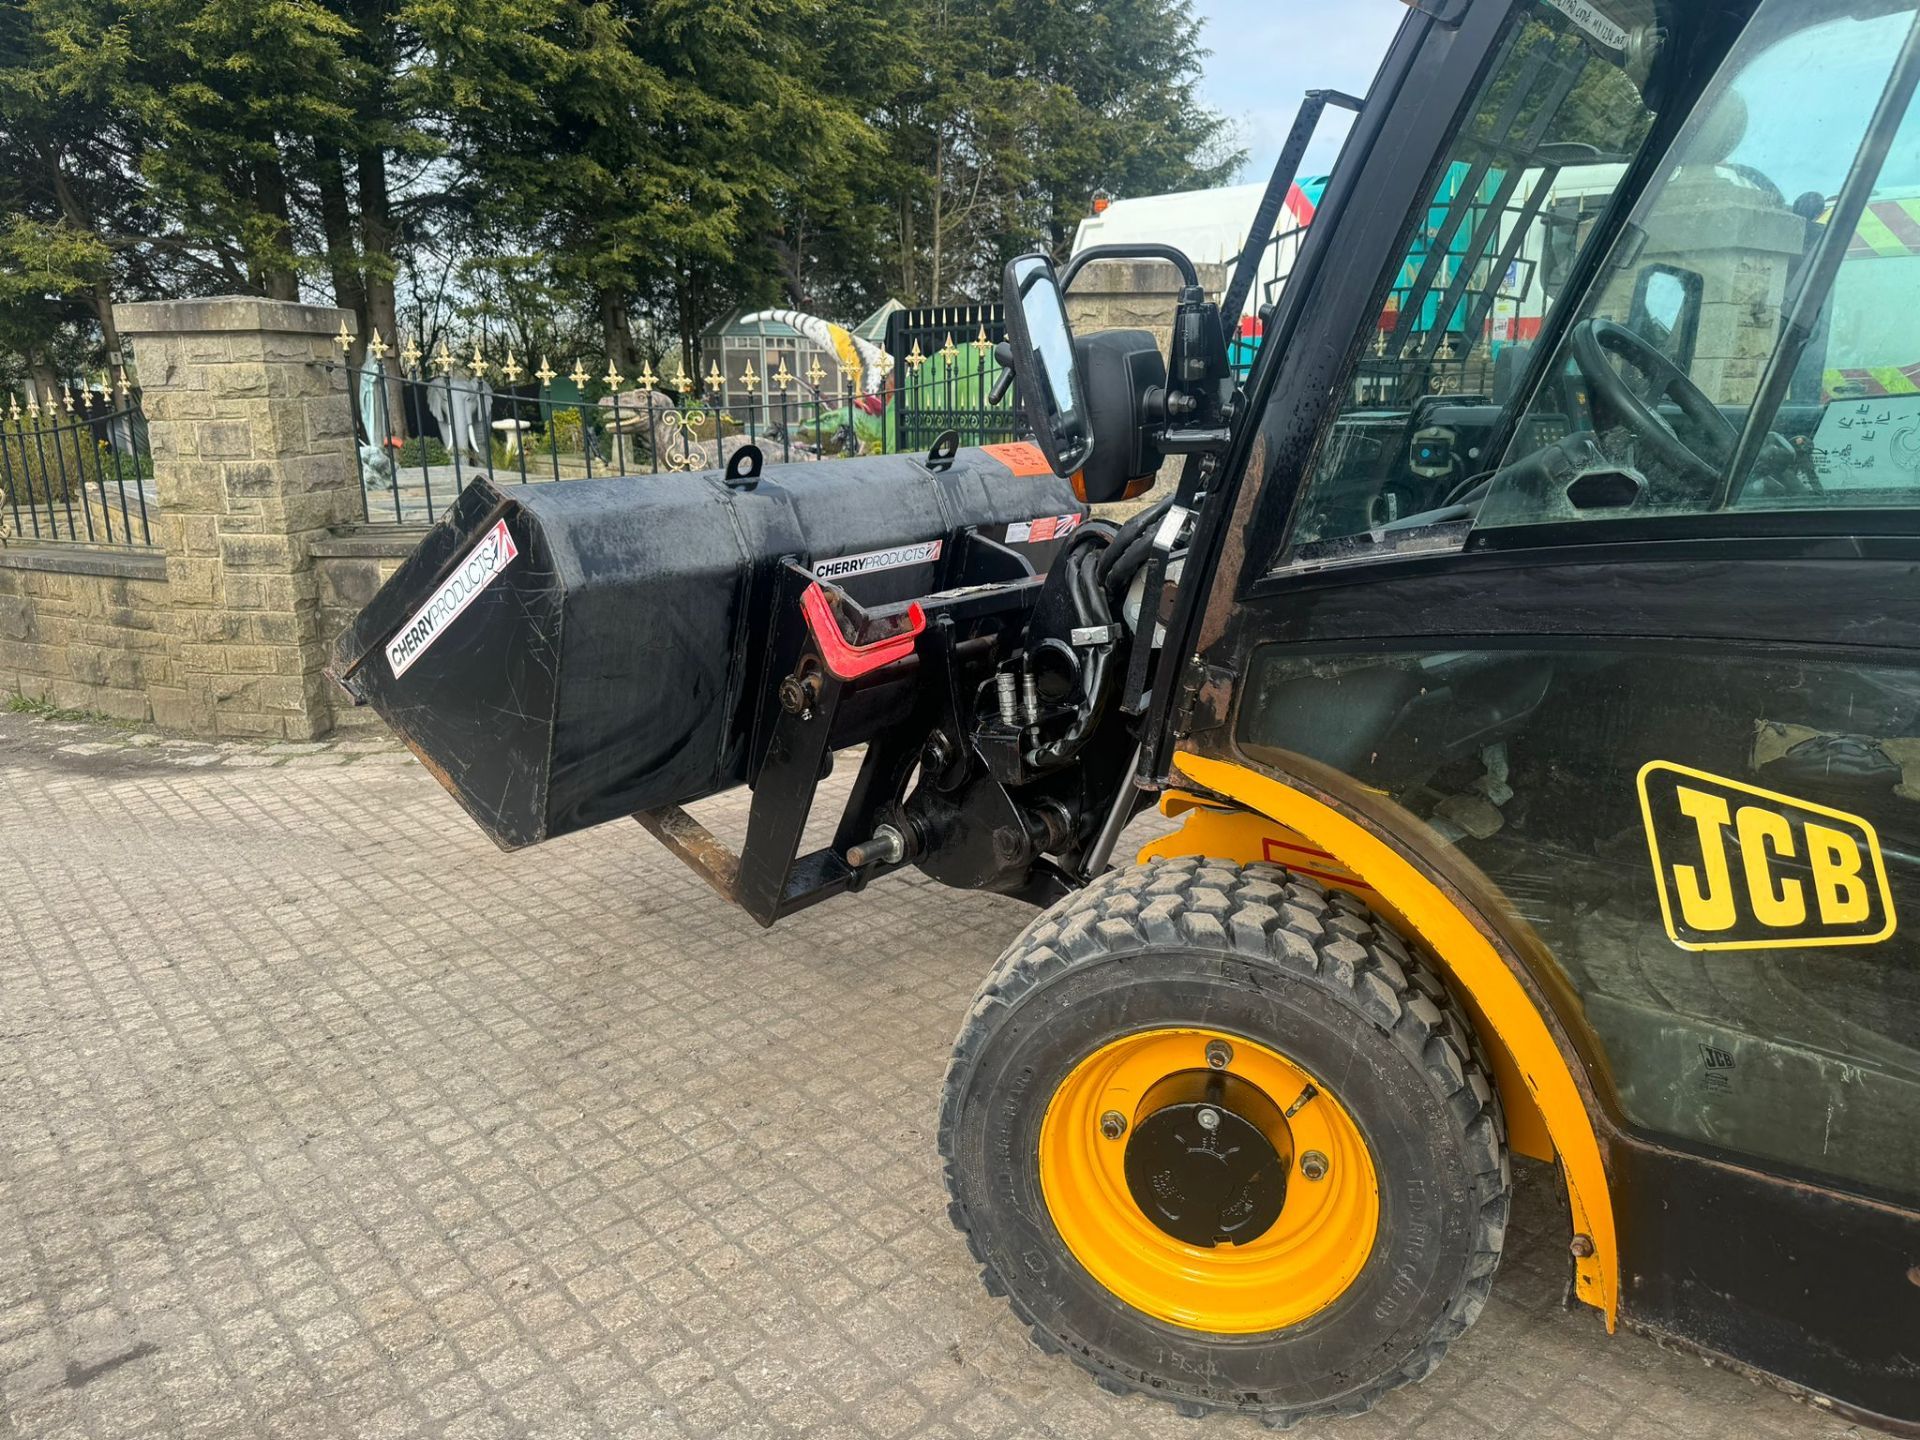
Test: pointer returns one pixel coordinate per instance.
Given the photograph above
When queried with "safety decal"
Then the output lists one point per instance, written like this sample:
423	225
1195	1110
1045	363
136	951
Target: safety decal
481	568
1741	868
1042	530
1590	19
897	558
1022	457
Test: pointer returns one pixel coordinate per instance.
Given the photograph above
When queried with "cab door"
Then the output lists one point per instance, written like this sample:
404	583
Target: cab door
1609	589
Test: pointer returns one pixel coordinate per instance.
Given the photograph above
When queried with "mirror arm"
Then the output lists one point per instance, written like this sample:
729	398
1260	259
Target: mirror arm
1093	254
1003	357
1204	440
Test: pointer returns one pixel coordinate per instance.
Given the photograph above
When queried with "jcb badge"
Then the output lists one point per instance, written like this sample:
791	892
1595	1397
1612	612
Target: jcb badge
1740	868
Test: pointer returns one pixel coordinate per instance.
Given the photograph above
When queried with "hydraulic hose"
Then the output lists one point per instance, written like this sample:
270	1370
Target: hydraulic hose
1086	535
1090	608
1140	525
1126	565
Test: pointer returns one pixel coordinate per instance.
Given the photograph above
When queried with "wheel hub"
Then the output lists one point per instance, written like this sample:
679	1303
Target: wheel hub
1207	1158
1122	1201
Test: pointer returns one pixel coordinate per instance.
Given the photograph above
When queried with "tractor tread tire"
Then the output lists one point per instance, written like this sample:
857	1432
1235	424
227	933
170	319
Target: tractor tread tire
1327	937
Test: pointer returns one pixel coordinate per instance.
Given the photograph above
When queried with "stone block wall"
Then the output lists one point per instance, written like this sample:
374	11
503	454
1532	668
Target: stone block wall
87	631
349	568
253	455
1745	247
217	629
1134	295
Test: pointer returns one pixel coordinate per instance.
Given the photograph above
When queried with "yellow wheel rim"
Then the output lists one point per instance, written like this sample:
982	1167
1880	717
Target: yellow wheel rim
1303	1263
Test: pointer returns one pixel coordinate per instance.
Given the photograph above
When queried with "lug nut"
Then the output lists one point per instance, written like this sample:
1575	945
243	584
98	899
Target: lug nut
1209	1119
1113	1124
1313	1165
1219	1054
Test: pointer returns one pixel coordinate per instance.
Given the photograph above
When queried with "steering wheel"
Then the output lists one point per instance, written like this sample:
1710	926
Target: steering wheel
1593	339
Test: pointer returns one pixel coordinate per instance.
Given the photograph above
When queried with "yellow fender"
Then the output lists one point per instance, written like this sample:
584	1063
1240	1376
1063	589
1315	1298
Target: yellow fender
1546	1109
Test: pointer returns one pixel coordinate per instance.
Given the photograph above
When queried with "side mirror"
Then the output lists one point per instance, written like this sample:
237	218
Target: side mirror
1666	311
1051	389
1560	245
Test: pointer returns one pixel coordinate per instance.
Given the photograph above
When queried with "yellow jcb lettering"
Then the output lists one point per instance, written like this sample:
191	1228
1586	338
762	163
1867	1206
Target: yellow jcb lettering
1710	906
1763	831
1838	886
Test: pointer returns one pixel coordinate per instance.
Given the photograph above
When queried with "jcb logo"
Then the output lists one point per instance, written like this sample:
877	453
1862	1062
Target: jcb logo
1740	868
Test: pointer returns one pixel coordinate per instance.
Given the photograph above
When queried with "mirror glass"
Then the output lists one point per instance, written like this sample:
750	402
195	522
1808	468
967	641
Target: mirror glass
1665	311
1666	302
1052	385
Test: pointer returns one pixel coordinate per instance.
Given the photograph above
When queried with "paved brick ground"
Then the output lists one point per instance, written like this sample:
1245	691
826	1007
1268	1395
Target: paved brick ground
318	1116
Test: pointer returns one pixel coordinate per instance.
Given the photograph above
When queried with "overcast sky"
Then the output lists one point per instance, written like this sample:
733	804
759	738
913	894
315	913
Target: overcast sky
1268	53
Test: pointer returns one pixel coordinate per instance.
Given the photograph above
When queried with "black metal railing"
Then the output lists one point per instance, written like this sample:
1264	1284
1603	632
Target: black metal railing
423	437
944	374
75	468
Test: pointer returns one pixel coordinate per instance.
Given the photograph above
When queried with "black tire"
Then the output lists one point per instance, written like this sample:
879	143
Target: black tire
1310	973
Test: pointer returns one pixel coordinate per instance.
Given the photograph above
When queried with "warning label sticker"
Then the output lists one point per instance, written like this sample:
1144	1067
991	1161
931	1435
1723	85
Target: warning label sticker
1039	532
897	558
427	624
1022	457
1594	21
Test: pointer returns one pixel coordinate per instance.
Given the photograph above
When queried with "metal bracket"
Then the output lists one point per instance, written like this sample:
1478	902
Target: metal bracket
769	878
940	457
744	467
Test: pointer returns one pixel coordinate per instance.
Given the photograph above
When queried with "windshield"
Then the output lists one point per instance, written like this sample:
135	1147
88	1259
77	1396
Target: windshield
1744	346
1562	110
1683	367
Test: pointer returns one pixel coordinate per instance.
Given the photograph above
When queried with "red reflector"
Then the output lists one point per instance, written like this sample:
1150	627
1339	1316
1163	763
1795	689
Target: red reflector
846	660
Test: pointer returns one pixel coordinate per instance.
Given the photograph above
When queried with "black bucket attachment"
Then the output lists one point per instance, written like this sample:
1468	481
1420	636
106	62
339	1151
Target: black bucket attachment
568	653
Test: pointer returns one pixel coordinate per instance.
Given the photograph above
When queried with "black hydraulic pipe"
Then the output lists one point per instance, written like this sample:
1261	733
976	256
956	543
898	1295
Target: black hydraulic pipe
1120	574
1090	609
1124	539
1126	797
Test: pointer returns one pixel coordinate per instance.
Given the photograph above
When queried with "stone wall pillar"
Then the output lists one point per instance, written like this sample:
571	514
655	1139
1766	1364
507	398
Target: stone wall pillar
1134	295
1137	295
253	457
1745	246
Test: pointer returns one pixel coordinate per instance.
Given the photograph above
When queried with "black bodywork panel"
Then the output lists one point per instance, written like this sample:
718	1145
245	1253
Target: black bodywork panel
1803	1282
1791	1271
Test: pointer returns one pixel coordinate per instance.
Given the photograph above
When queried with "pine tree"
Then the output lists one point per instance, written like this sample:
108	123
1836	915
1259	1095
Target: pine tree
651	163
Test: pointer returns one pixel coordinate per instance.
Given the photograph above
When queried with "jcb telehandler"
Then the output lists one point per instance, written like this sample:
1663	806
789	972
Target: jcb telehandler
1530	655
